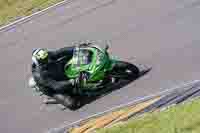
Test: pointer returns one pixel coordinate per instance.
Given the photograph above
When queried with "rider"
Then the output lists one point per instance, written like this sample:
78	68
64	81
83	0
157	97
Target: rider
48	70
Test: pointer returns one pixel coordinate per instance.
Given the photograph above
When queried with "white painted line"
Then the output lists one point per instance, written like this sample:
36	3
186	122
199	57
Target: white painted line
132	102
24	19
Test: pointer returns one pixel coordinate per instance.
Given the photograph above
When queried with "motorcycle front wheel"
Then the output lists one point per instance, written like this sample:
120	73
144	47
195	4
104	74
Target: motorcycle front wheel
121	73
125	70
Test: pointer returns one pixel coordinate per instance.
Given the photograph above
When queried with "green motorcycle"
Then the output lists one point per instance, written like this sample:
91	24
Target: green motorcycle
93	71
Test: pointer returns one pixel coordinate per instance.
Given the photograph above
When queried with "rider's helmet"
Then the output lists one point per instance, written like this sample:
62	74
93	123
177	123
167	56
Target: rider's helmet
40	56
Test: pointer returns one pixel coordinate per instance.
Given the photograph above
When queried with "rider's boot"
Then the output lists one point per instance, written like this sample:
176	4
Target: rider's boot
48	100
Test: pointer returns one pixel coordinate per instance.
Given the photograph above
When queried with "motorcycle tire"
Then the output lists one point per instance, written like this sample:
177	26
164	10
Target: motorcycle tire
125	70
67	101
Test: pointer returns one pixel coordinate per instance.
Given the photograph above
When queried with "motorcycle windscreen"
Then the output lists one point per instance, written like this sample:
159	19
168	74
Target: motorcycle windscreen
82	57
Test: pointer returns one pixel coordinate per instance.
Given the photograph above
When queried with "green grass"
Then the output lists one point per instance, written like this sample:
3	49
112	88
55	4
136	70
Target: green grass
184	118
12	9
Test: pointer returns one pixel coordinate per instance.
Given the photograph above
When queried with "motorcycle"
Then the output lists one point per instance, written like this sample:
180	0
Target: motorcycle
93	71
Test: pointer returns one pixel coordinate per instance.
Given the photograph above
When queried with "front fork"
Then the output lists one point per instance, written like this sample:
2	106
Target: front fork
80	82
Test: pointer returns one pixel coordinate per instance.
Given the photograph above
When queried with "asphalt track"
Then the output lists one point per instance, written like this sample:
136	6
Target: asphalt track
163	34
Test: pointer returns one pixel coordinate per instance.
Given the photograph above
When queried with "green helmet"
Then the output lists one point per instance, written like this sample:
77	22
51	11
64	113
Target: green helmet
40	56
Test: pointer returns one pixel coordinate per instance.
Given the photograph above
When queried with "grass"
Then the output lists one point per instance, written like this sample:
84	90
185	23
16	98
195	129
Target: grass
184	118
10	10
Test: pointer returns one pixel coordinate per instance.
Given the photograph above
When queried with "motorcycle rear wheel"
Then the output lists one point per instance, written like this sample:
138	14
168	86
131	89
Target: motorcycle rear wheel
67	101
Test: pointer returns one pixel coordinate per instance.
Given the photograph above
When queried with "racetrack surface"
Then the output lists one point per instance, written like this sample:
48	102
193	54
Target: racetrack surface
162	34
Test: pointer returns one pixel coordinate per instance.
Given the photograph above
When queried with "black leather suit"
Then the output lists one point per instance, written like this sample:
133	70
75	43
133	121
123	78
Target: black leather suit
50	77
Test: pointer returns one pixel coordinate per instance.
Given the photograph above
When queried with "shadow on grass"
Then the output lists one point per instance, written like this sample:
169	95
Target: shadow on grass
192	127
